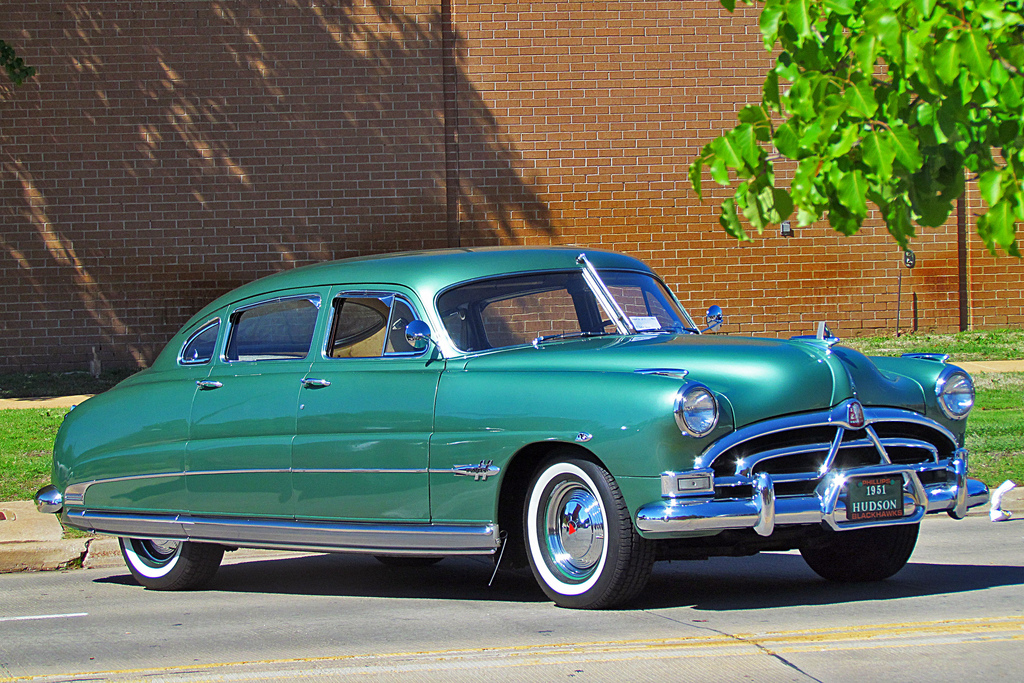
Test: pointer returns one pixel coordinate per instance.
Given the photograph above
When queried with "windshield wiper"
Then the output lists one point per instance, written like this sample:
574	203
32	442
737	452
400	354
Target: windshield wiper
568	335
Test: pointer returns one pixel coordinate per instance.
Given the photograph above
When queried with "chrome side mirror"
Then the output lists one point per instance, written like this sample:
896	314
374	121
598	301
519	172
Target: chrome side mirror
713	319
417	333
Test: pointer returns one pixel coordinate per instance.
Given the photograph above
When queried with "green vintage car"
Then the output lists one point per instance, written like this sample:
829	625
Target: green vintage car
547	407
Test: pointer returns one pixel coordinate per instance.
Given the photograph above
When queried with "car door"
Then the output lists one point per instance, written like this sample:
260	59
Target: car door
238	457
365	416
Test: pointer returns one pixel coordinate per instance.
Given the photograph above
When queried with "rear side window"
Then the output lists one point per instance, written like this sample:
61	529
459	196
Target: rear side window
200	346
274	330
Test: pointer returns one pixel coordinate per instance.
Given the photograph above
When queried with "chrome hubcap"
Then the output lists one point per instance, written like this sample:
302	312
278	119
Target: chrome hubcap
575	531
156	552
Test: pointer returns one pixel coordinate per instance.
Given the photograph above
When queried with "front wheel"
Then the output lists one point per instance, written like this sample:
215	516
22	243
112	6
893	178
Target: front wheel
862	554
171	565
582	547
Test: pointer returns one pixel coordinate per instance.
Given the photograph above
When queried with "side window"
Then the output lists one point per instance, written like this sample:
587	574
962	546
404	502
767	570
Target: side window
370	327
201	346
274	330
359	327
520	319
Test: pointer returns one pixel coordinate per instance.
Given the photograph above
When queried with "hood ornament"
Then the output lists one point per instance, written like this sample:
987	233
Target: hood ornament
824	336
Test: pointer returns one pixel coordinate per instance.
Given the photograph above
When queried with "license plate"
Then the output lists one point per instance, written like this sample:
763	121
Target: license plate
871	498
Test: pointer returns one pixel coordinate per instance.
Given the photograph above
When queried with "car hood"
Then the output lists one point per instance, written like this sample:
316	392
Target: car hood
759	377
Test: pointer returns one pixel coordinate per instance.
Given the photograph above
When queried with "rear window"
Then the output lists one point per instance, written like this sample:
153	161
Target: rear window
201	346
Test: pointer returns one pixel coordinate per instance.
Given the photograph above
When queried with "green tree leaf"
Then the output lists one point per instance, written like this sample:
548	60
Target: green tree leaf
973	46
730	221
990	183
905	145
852	192
842	7
769	22
799	16
861	98
998	226
878	153
947	61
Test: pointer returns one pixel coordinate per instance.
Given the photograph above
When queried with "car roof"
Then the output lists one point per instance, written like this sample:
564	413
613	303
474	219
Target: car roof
425	272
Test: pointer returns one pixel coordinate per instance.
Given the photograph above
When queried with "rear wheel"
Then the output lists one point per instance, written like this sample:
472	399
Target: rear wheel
171	565
862	554
582	547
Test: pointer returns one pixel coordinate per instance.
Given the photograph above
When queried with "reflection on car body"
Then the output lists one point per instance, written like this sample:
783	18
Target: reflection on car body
555	409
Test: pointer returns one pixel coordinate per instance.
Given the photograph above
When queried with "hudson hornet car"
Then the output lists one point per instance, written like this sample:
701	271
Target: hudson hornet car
550	408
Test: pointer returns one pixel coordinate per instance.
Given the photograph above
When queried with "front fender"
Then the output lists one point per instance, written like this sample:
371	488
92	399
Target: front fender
624	419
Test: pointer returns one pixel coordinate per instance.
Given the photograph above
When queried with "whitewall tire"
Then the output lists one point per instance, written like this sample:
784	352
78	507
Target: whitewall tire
171	565
580	539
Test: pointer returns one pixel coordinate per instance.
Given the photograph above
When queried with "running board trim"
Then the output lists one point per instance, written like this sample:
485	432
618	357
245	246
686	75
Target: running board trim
283	534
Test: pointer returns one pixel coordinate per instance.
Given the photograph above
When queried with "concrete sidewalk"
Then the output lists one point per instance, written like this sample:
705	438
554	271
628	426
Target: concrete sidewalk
43	401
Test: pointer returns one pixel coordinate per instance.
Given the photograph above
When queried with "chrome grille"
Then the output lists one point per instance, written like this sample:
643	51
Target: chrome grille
797	451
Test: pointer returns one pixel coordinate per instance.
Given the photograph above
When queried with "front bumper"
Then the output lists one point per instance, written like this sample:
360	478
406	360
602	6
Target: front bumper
763	511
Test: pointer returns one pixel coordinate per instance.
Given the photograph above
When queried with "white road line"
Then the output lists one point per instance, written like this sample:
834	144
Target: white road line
45	616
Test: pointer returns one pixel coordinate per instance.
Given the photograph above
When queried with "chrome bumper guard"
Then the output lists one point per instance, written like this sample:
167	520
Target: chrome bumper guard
684	512
49	500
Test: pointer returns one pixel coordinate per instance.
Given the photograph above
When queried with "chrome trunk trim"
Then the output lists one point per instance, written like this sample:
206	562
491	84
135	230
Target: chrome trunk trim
285	534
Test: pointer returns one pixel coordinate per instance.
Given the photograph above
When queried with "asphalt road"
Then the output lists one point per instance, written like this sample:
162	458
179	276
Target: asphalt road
955	613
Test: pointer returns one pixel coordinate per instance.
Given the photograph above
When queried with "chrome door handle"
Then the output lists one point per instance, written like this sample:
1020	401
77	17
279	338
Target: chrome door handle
209	384
311	383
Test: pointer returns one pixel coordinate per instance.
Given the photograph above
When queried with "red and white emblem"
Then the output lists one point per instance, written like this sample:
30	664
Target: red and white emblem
855	414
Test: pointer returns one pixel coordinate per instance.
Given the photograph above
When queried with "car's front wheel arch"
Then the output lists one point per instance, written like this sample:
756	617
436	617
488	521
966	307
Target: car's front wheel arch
519	471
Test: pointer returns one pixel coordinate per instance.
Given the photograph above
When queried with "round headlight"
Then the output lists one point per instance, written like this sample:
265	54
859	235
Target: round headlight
955	392
696	410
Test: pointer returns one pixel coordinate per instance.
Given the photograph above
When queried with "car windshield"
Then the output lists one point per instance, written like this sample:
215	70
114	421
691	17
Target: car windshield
523	309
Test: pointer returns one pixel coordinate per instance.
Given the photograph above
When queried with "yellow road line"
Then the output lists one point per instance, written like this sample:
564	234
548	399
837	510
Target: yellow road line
908	634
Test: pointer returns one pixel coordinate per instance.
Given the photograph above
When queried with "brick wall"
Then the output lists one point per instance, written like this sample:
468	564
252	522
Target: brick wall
167	152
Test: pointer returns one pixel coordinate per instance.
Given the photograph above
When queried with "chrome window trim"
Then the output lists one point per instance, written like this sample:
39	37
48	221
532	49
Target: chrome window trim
375	294
314	299
202	328
590	275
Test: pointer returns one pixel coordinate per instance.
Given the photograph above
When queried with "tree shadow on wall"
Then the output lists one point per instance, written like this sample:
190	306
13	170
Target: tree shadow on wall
217	142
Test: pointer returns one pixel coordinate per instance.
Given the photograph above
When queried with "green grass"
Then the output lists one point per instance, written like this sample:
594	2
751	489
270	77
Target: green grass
26	445
32	384
961	346
995	429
